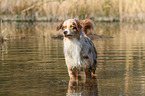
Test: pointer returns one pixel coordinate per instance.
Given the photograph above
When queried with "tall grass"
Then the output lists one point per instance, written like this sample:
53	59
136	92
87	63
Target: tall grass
57	10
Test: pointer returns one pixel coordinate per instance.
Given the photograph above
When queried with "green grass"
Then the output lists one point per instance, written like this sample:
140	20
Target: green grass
58	10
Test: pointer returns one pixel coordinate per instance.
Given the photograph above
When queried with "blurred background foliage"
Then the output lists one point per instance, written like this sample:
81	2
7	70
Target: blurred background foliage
58	10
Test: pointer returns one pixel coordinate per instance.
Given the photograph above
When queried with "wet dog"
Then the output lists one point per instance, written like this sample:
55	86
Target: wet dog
80	53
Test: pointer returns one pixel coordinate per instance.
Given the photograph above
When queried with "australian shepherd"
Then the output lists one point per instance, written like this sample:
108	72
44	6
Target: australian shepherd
79	50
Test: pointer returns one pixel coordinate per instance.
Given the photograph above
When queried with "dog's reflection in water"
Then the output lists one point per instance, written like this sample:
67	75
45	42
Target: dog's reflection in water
82	88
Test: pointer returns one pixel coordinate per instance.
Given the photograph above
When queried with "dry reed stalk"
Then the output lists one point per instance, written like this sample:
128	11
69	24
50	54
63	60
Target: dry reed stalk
1	36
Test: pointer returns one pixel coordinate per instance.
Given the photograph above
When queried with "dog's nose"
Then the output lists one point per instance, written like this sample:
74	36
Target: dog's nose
65	32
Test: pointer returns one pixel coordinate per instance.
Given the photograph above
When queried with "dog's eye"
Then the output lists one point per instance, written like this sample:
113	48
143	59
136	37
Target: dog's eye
71	26
74	27
64	27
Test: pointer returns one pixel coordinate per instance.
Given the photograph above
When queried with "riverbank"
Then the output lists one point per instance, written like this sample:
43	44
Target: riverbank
45	19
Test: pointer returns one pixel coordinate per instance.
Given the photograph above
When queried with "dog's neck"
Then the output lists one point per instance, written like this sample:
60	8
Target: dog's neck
82	34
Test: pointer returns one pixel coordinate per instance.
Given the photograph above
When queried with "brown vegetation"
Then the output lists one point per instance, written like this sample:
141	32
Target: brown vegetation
58	10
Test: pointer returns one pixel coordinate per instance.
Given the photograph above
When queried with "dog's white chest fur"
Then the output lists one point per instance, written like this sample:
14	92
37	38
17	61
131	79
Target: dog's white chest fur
72	49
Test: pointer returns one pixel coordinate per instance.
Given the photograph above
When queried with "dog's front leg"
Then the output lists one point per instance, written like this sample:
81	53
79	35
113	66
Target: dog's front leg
88	72
72	73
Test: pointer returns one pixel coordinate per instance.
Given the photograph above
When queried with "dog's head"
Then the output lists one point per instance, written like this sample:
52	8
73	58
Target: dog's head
71	28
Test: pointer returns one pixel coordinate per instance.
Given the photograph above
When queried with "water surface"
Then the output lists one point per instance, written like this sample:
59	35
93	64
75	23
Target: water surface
32	62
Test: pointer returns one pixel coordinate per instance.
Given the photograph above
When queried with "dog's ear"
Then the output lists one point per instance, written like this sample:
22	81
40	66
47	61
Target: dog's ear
60	26
88	26
78	25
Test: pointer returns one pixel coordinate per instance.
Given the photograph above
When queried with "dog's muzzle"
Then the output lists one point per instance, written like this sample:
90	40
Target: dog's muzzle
67	33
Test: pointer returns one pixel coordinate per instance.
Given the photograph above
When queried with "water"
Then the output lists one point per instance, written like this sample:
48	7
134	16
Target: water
32	62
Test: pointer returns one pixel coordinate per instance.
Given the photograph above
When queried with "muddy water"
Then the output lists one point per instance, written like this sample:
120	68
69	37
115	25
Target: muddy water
32	62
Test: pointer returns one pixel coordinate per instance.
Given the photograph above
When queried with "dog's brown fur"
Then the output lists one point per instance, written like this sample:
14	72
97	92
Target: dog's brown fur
88	26
80	53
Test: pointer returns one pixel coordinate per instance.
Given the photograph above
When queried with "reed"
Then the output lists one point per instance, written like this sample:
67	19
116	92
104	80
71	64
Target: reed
58	10
3	32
